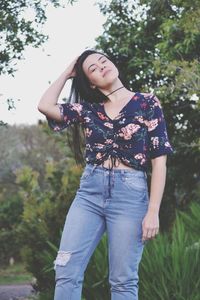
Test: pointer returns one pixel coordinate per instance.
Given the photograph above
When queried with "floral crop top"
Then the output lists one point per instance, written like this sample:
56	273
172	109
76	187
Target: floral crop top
135	136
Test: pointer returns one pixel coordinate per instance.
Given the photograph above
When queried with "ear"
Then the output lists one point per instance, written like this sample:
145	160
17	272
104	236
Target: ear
92	86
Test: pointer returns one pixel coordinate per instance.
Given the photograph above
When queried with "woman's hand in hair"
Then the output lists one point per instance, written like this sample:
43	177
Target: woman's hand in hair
48	102
70	69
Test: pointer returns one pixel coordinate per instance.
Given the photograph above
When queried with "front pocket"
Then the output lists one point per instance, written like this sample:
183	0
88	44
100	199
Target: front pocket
135	183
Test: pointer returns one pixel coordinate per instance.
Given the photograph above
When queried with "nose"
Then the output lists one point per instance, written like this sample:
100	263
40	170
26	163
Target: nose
102	67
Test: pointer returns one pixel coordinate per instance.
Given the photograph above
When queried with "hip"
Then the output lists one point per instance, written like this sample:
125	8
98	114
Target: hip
129	179
122	190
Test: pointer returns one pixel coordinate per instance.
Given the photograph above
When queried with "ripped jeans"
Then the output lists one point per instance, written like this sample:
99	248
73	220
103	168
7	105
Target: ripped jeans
115	205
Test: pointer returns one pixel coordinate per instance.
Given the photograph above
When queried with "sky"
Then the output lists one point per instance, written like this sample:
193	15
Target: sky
71	30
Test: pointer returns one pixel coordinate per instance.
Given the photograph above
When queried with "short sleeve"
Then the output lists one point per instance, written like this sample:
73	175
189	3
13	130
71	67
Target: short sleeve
70	113
157	132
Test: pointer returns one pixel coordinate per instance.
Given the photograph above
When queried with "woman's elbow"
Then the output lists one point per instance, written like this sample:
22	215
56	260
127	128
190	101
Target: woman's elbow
41	107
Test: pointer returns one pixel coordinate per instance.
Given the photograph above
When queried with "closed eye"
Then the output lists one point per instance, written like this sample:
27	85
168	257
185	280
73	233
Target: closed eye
93	70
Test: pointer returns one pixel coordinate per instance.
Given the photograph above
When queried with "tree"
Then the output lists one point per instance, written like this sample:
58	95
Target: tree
28	146
20	25
44	212
156	46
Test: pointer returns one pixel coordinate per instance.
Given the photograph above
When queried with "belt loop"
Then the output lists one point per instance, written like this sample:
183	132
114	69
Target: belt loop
109	185
122	174
113	177
93	168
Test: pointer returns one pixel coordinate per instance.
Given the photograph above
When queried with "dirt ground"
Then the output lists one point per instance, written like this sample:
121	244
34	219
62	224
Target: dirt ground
15	292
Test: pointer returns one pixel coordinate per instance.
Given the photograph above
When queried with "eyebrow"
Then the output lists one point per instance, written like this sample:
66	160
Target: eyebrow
98	60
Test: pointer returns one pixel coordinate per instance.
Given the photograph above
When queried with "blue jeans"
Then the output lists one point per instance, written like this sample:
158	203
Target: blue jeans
114	201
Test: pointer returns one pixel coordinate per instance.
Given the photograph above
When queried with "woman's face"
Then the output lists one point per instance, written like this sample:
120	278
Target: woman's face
100	71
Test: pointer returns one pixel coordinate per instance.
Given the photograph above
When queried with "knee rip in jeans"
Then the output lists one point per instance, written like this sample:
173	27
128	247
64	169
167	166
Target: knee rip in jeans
62	258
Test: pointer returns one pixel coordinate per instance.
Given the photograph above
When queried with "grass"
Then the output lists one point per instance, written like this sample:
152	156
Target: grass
15	274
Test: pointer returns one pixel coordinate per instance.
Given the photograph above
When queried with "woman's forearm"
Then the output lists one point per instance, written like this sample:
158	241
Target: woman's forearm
51	95
158	178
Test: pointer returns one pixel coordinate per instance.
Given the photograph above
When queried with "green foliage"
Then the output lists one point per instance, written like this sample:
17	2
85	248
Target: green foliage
32	146
27	145
21	23
20	26
14	274
44	212
191	222
169	268
10	217
156	46
170	265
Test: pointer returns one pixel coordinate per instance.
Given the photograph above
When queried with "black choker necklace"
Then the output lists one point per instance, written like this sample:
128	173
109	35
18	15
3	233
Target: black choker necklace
121	87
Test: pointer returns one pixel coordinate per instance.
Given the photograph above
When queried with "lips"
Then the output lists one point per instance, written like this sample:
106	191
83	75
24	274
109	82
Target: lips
105	73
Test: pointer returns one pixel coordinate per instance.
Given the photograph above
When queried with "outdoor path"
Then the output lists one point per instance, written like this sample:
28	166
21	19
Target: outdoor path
15	292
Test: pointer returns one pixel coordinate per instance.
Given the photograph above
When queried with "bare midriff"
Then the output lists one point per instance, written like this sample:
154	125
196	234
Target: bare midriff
118	164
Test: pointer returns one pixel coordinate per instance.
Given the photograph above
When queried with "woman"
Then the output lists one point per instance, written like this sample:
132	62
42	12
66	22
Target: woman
124	130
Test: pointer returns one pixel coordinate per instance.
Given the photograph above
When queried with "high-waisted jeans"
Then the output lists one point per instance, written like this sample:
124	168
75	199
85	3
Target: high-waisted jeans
113	201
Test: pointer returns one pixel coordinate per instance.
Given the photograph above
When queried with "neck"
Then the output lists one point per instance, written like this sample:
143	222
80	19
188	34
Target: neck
119	88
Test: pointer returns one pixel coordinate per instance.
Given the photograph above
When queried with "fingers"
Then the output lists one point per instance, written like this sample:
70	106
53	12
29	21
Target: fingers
149	233
71	68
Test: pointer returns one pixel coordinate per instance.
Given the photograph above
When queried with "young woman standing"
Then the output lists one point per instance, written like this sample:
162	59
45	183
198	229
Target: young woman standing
124	131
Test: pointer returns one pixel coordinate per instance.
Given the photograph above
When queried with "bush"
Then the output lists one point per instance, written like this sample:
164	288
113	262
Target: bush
170	266
44	214
11	209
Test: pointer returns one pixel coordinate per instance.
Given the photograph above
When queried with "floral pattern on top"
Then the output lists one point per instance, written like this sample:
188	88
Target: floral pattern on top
136	135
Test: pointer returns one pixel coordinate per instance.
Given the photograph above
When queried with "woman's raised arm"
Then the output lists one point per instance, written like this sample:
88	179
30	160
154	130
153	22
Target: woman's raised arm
48	102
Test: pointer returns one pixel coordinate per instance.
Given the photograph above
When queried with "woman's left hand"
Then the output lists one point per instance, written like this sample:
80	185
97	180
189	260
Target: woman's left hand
150	225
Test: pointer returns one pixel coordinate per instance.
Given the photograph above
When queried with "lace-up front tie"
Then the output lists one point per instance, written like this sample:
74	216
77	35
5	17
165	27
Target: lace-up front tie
113	160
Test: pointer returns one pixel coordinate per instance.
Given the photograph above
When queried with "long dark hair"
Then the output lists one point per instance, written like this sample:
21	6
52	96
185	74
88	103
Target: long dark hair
82	92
